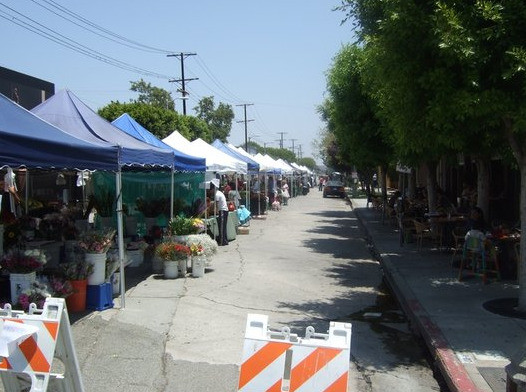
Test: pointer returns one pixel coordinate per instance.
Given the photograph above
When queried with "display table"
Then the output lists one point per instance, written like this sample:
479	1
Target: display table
231	225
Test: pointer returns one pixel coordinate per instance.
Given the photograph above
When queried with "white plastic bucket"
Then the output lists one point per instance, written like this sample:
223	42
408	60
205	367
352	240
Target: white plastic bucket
98	261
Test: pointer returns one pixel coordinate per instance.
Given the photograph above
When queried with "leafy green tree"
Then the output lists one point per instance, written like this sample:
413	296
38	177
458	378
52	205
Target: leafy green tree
360	137
308	162
152	95
219	119
160	122
277	153
487	40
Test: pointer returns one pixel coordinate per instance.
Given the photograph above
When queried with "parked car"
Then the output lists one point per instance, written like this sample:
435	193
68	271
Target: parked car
334	188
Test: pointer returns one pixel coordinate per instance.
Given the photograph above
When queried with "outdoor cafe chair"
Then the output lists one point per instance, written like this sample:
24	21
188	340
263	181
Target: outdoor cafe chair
424	231
458	234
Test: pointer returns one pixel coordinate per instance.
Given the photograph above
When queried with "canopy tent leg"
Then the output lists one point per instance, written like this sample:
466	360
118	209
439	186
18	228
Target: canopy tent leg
120	235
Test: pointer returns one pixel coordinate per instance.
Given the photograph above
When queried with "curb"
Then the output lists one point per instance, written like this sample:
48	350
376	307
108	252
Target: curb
454	373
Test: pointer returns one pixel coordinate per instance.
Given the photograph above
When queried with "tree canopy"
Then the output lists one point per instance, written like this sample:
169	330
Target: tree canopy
219	119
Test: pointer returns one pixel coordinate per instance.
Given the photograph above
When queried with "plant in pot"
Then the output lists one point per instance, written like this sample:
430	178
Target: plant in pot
174	256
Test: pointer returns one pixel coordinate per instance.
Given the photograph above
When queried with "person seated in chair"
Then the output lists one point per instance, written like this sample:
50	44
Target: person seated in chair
476	220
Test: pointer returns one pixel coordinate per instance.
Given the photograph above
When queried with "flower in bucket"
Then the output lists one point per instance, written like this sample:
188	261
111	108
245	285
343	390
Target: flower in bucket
23	261
60	287
199	225
181	225
197	249
208	244
168	251
97	241
77	270
36	294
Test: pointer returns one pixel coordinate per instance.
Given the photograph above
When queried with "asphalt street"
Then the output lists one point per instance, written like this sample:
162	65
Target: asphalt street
302	266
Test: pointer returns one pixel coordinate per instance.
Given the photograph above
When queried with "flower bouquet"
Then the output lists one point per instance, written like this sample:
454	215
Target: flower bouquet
36	294
60	287
206	242
197	250
180	225
97	241
78	270
18	261
169	251
174	257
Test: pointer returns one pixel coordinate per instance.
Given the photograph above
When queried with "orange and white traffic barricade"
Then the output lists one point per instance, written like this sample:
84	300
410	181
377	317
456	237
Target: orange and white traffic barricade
28	344
278	361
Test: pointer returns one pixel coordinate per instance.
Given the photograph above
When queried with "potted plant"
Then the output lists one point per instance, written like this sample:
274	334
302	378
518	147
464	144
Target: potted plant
174	256
96	244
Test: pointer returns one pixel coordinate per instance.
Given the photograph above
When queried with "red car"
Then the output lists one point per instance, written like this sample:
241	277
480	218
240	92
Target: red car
334	188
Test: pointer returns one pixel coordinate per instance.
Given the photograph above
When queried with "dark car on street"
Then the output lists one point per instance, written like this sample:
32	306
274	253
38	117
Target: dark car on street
334	188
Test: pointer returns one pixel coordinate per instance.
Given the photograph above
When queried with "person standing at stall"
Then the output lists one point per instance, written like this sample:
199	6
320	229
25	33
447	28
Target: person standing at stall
10	199
222	210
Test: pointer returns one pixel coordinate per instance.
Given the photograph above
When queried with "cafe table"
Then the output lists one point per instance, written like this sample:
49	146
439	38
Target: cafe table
445	224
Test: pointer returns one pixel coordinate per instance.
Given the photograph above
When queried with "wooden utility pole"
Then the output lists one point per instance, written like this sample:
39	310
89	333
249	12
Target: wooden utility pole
245	121
182	90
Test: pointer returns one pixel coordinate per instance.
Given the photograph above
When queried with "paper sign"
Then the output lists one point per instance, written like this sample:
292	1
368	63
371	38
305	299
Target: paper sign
12	334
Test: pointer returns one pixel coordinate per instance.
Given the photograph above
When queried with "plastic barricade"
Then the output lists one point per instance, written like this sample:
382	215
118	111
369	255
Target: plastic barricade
30	341
280	361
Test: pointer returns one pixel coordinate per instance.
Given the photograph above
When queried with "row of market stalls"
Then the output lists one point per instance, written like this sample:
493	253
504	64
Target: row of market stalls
127	165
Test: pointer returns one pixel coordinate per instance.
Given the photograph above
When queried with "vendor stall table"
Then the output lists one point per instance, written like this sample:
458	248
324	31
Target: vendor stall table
232	224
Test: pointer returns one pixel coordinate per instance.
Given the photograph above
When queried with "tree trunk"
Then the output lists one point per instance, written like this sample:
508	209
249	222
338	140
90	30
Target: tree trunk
431	186
519	150
521	269
483	168
411	186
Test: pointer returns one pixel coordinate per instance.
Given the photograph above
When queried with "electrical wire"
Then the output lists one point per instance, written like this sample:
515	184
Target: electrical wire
61	39
117	38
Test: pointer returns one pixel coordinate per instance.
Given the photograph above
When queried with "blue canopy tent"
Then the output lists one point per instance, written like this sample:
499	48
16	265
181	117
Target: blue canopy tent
183	162
253	166
73	116
26	140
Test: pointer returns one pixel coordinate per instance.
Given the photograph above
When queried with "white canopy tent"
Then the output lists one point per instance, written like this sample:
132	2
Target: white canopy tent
216	160
223	162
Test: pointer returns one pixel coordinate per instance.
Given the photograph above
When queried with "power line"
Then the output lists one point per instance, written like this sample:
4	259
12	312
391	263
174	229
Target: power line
67	42
117	38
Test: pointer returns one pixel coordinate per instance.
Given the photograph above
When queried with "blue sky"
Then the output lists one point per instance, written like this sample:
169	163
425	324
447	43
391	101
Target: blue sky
272	54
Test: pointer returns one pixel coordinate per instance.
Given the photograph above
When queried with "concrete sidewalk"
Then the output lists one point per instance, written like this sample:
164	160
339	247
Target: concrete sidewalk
470	344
